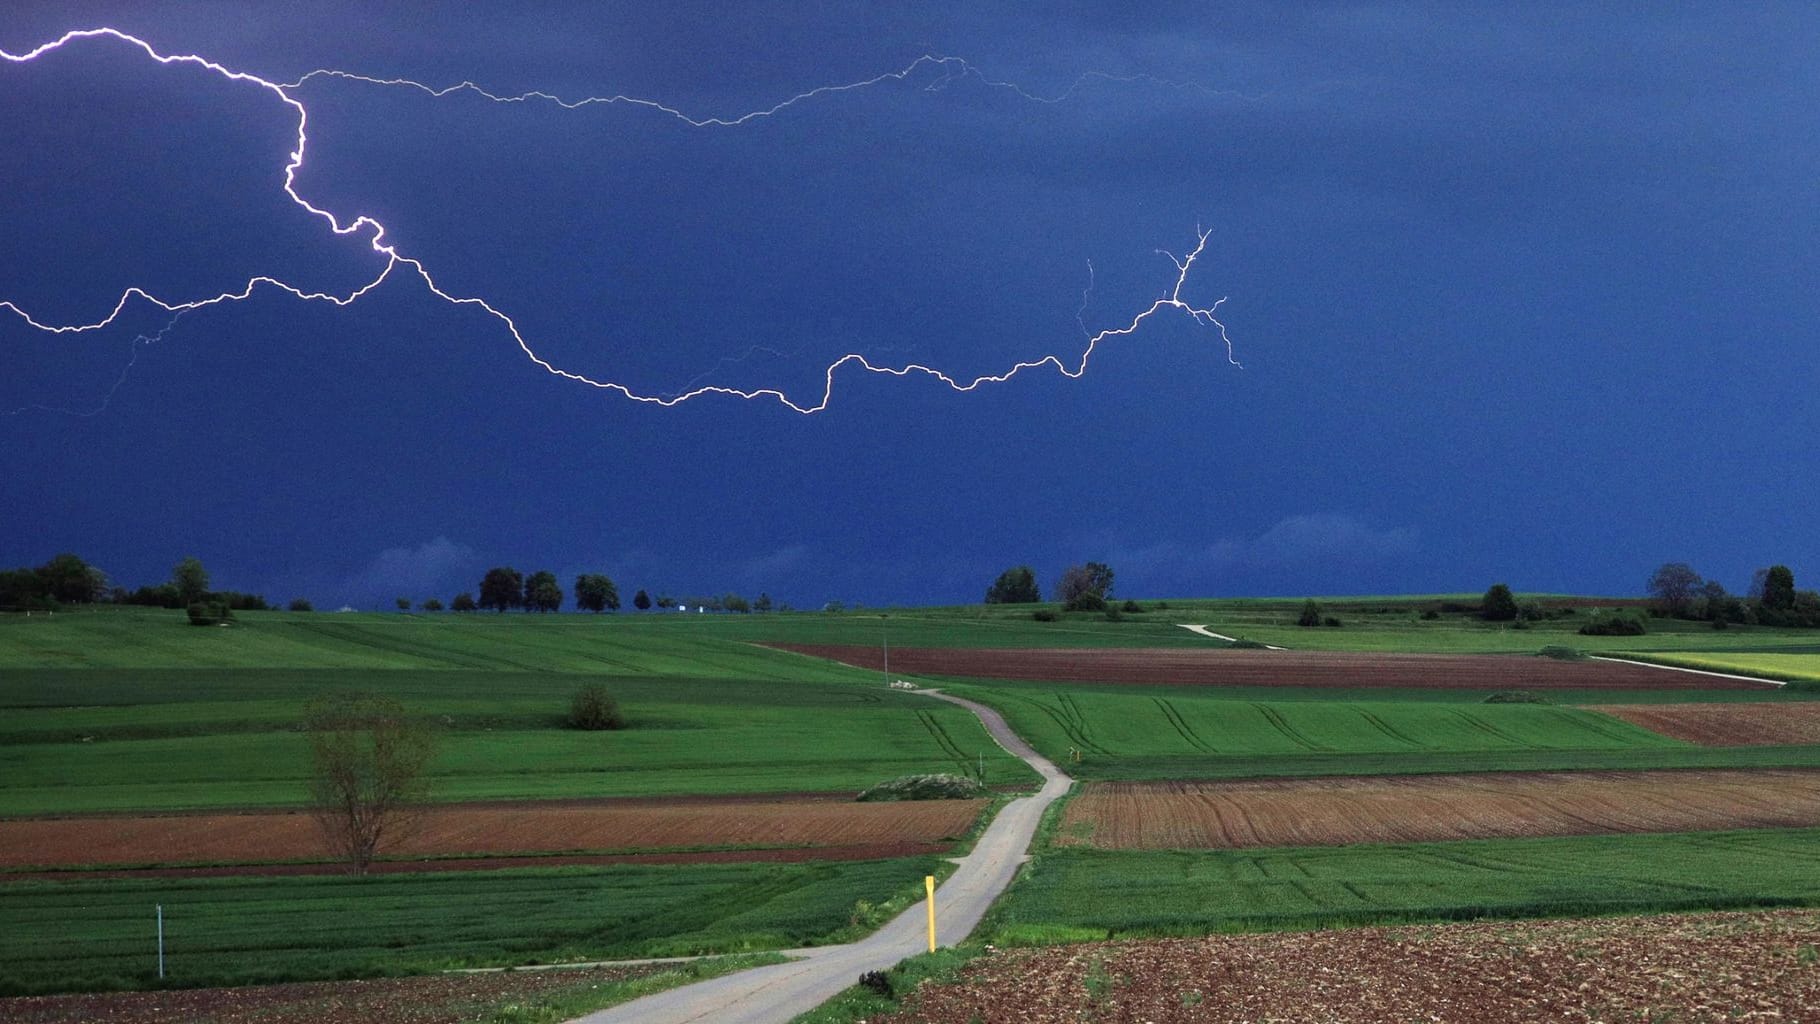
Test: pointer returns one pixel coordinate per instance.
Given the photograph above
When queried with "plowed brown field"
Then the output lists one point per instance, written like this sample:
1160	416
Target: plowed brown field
1726	725
496	830
1686	968
440	999
1322	812
1220	667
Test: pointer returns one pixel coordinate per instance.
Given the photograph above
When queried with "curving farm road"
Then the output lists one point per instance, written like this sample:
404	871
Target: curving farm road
776	994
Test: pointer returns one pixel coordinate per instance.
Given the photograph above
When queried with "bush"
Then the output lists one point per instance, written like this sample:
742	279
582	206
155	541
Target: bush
1430	614
1242	644
1044	615
298	604
1130	608
1114	615
209	613
877	981
1311	614
1514	697
1331	622
1086	601
1561	653
925	787
594	709
1614	624
1498	605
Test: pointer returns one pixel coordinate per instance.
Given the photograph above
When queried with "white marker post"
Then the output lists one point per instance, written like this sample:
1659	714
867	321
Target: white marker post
160	941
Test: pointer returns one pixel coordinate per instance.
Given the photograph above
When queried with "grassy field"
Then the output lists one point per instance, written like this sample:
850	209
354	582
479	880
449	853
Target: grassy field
1790	665
1073	895
100	933
161	739
1130	733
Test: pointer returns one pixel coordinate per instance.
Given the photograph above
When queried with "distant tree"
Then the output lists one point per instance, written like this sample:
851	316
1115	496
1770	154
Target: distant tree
1085	586
464	602
734	603
22	589
596	593
1016	585
641	601
1779	588
1498	604
1757	581
666	601
503	587
763	603
542	593
299	604
67	579
367	761
209	613
1673	587
1311	614
432	605
190	580
403	603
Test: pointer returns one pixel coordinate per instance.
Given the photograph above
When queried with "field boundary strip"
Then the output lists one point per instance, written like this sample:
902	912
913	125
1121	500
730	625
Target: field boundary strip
1684	668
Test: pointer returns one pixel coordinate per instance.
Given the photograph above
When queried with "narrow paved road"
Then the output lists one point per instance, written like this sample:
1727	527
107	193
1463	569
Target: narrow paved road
775	994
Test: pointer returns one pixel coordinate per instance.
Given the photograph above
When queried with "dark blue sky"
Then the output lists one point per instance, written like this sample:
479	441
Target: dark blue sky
1519	296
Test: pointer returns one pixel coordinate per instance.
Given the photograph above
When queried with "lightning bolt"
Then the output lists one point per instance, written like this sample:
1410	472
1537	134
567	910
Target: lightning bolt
950	69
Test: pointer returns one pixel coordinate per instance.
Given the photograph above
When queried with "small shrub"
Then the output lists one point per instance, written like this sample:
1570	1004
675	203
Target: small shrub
209	613
1242	644
1044	615
924	787
1311	614
1131	608
1515	697
1162	606
878	981
301	605
1114	615
1614	624
1086	601
1562	653
1331	622
594	709
1430	614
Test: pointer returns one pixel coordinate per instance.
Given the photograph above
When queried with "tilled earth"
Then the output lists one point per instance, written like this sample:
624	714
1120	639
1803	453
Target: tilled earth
438	999
1686	968
1222	667
1429	808
1726	725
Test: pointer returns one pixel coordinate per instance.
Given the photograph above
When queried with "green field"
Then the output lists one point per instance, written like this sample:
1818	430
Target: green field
162	739
100	933
1790	665
1074	894
1129	733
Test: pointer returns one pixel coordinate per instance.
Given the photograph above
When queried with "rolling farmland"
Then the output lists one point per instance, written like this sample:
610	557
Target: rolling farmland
1725	725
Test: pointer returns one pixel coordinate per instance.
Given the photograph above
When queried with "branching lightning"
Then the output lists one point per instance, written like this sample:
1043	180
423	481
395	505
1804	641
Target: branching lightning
950	69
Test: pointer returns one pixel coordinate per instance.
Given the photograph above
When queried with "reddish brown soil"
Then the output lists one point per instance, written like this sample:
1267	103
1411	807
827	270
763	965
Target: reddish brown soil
1220	667
1397	809
1726	725
1688	968
504	832
438	999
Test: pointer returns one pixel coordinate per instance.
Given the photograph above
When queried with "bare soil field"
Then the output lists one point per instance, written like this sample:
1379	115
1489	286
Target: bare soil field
631	830
1425	808
1687	968
1725	725
1192	667
437	999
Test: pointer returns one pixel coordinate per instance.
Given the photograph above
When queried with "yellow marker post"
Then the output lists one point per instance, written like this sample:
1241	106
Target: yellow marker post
929	884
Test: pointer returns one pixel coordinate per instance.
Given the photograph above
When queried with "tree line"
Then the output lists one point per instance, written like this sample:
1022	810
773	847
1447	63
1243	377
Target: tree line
504	589
68	579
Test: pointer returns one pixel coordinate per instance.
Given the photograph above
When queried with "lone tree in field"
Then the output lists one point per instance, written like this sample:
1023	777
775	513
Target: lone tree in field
190	580
503	587
1014	586
1498	605
641	601
542	593
1673	586
464	602
367	762
595	592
